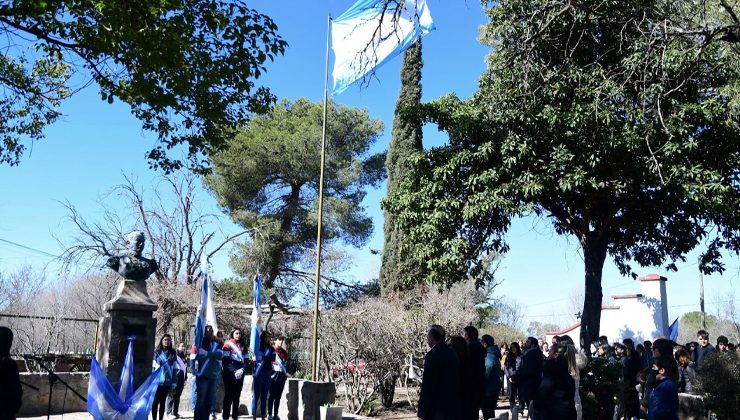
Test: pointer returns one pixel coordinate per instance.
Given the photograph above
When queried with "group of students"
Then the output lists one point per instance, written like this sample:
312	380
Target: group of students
215	361
463	375
544	378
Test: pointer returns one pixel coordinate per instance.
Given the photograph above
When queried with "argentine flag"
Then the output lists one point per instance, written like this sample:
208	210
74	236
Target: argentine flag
255	330
103	403
206	312
368	35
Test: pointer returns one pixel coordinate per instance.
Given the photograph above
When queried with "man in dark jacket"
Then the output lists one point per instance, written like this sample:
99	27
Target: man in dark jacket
704	349
438	399
10	383
477	358
531	372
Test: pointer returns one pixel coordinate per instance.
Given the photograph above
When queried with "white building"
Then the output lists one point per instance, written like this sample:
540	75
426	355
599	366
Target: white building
641	316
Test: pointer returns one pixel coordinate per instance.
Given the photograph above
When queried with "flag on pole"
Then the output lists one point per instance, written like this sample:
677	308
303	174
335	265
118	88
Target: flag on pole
103	403
371	33
673	330
206	312
255	330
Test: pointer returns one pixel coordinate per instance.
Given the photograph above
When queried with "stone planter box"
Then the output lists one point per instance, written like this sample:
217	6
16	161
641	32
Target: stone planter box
331	413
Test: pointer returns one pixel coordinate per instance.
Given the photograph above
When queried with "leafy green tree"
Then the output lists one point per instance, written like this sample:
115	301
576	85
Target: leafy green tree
268	181
591	116
235	289
406	139
186	68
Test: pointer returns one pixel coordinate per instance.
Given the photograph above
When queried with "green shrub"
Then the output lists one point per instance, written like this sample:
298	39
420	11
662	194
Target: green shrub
717	379
599	388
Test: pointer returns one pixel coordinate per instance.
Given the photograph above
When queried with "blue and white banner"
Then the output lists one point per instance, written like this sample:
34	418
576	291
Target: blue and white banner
103	403
371	33
279	365
255	330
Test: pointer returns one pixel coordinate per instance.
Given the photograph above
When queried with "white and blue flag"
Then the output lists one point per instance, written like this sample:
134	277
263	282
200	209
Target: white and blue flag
206	312
104	403
371	33
255	330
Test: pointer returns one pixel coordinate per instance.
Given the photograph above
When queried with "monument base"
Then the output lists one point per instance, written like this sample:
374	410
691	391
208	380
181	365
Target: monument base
305	398
129	314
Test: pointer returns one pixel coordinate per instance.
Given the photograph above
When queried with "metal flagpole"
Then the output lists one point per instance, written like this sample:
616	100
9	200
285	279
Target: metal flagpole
314	346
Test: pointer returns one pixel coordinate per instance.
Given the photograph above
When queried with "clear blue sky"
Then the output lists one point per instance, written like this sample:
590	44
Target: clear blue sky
88	150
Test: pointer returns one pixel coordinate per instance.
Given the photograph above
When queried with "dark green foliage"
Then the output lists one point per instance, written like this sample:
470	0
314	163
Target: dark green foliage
236	290
267	180
185	67
717	380
590	116
599	388
396	271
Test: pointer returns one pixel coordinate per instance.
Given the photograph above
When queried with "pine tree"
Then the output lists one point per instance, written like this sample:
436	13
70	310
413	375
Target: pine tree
406	139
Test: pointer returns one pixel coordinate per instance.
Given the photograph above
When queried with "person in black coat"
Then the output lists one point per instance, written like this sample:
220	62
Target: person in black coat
439	399
10	382
703	349
554	398
477	361
530	374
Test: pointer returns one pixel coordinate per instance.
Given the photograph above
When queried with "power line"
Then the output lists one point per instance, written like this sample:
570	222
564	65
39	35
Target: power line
28	248
566	298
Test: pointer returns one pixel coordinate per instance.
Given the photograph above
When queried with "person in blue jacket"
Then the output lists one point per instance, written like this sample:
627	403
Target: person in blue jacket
492	385
205	363
166	357
264	356
663	403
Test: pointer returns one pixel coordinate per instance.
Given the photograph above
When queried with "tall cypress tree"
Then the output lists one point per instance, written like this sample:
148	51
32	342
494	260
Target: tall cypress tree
406	139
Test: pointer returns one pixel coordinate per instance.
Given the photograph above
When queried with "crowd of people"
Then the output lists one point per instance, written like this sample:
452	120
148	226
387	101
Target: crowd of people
228	361
464	375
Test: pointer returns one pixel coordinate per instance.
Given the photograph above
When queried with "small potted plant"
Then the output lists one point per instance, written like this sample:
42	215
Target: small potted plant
329	411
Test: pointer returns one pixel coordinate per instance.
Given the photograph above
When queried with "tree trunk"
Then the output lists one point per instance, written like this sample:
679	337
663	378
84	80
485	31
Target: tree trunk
594	254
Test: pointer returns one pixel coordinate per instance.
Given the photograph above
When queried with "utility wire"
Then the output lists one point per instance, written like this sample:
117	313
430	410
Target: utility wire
566	298
28	248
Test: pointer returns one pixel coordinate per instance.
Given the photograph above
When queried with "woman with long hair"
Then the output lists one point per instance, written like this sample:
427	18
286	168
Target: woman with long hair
233	372
555	397
173	399
264	356
279	376
686	373
513	366
166	358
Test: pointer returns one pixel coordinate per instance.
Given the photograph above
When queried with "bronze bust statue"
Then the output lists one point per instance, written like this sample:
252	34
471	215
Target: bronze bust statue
131	265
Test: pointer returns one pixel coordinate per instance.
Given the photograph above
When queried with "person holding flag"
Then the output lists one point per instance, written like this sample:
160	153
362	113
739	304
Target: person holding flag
233	372
279	376
205	363
259	345
264	355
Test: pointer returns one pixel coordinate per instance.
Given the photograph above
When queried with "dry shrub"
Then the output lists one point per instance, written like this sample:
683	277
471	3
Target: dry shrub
366	343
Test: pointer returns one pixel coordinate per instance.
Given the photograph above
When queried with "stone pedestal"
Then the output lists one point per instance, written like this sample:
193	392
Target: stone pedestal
128	314
305	398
